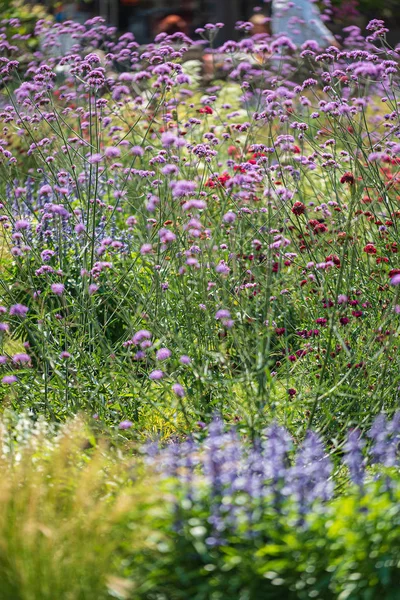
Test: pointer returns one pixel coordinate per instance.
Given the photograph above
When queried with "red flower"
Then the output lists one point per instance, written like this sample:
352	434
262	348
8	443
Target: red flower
320	228
233	151
280	330
206	110
321	321
333	258
394	272
313	223
223	178
298	208
370	249
347	178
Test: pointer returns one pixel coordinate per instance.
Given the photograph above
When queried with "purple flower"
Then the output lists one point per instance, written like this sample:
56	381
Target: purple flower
229	217
386	437
354	457
395	280
222	268
47	254
18	310
141	335
275	452
131	221
21	358
223	313
58	288
45	190
178	390
309	478
185	360
65	355
112	152
156	375
21	225
166	236
168	139
119	91
378	433
95	158
163	354
8	379
146	249
125	425
137	151
182	188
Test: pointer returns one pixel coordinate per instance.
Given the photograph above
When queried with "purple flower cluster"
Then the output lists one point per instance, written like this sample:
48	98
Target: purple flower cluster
221	221
235	478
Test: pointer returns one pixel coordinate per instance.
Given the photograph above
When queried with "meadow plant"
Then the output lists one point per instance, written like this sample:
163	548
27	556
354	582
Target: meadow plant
212	517
171	248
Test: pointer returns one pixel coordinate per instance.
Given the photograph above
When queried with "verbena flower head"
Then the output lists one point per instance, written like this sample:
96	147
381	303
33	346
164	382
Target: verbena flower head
58	289
179	390
156	375
125	424
141	335
163	354
9	379
395	280
18	310
21	358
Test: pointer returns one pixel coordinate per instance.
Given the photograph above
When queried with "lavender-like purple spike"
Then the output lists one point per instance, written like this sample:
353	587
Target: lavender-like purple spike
220	466
188	463
308	479
379	435
354	458
254	474
393	430
275	450
172	459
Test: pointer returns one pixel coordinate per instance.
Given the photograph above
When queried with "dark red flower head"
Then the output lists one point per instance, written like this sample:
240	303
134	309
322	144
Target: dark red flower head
370	249
347	178
298	208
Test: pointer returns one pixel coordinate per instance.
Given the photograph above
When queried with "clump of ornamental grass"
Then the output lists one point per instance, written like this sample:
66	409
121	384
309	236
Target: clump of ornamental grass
69	510
173	249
